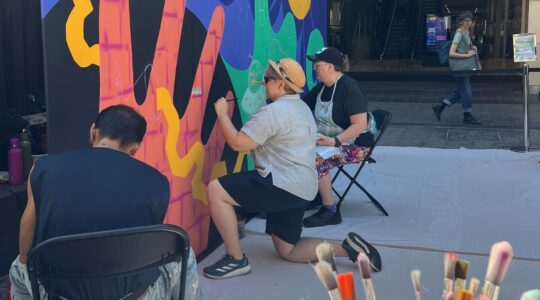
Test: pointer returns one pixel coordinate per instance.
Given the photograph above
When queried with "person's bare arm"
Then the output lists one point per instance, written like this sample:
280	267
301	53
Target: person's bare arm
455	54
28	225
358	125
237	140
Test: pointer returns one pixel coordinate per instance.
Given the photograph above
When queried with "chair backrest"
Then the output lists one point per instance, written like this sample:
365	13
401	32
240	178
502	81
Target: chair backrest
107	254
382	119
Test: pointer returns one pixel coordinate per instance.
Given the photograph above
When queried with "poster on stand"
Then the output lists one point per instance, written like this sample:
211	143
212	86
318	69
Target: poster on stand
524	47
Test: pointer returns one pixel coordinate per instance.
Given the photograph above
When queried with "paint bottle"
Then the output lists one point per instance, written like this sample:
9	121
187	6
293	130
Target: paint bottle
15	162
26	147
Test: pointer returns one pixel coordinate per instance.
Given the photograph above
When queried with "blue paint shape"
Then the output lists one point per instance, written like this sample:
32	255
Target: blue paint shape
46	6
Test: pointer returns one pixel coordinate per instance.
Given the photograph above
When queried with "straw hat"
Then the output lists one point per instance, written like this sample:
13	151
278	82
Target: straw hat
291	72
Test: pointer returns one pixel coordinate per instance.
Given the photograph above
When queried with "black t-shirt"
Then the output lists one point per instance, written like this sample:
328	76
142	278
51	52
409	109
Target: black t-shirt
91	190
349	100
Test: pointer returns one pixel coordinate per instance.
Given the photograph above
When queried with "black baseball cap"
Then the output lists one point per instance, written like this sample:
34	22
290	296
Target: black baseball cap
329	55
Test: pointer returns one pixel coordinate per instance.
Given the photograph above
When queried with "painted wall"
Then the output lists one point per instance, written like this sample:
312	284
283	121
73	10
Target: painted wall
170	59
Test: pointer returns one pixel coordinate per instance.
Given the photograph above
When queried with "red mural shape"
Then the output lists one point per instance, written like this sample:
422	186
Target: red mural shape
116	87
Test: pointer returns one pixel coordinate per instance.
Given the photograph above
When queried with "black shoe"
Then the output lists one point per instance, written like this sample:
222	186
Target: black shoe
323	217
354	244
437	109
227	267
469	119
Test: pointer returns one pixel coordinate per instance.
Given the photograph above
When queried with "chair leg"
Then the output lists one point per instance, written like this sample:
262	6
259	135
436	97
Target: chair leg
372	199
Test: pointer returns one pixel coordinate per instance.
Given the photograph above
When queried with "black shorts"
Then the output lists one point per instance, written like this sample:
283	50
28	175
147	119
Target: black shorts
254	193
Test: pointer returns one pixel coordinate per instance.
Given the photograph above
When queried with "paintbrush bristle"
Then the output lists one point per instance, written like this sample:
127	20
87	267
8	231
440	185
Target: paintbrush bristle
462	267
326	276
363	264
531	295
325	252
474	284
499	261
450	265
415	276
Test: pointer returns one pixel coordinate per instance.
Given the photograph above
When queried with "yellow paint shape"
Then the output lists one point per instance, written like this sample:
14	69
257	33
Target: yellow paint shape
82	54
195	157
300	8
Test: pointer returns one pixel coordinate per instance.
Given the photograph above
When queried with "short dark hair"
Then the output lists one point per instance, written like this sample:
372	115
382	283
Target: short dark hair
270	72
121	123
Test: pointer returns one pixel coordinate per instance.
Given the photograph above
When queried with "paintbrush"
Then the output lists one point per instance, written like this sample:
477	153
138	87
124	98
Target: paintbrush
464	295
328	278
365	269
449	272
449	296
325	252
499	261
462	267
415	276
473	285
531	295
345	283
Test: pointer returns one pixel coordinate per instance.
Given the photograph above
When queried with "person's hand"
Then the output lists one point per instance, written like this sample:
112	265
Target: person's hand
221	106
471	53
474	48
323	140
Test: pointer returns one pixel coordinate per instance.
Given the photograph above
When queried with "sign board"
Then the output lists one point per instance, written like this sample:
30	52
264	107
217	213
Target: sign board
524	47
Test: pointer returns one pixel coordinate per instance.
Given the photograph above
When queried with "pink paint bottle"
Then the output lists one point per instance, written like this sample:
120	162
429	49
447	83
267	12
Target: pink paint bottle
15	162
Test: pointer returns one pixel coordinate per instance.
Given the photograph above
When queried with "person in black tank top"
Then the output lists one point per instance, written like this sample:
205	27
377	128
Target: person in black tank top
95	189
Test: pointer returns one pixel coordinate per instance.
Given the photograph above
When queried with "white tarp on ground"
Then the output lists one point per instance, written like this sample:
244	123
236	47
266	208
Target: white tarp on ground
439	200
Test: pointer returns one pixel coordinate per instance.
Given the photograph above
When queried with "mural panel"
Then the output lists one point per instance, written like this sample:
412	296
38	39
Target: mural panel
170	59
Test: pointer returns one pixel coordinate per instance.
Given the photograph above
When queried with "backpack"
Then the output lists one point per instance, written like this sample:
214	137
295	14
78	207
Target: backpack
443	52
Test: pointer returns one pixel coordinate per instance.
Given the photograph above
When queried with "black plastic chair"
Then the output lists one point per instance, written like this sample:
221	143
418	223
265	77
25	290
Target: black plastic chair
107	254
382	119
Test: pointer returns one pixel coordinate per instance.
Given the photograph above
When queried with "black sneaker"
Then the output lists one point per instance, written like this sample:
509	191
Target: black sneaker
227	267
355	244
469	119
323	217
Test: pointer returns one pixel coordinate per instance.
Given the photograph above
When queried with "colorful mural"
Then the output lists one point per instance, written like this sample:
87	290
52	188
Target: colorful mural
170	59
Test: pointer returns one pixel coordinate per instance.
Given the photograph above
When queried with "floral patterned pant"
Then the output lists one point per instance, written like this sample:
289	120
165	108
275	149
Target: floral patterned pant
349	154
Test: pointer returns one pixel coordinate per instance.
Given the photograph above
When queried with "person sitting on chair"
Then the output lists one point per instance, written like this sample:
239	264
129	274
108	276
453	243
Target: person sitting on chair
341	115
281	137
95	189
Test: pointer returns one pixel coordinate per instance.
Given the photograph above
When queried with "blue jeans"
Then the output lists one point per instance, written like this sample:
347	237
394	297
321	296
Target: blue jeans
166	284
463	91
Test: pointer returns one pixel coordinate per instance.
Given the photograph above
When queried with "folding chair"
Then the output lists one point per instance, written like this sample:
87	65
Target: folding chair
107	254
382	119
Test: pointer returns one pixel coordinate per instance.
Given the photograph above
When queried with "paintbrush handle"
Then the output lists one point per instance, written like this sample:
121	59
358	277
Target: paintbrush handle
460	284
490	290
448	287
334	294
418	295
369	289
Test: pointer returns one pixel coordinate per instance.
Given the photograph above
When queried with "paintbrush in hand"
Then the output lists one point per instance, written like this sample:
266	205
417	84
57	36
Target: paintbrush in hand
365	269
449	272
499	261
462	267
449	296
325	252
415	277
328	278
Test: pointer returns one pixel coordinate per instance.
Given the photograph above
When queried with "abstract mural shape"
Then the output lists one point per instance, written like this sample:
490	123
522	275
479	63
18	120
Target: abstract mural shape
82	54
300	8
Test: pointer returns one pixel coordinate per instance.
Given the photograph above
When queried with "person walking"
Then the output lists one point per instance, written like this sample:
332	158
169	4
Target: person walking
462	57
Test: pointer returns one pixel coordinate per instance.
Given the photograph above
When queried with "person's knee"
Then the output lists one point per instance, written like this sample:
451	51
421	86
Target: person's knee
214	189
